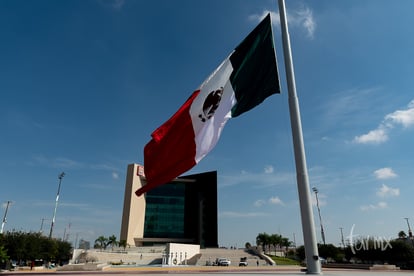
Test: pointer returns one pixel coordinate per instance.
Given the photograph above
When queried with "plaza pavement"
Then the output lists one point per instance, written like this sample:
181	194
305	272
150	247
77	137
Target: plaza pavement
202	270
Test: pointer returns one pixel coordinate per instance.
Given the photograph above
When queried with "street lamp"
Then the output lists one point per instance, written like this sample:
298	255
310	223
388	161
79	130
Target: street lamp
56	204
410	233
41	225
319	212
342	237
5	217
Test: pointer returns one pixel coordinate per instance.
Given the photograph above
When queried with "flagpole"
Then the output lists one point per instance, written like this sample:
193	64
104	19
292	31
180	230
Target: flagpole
308	226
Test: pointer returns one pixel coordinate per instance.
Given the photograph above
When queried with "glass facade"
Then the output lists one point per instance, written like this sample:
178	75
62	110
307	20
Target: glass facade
164	214
185	209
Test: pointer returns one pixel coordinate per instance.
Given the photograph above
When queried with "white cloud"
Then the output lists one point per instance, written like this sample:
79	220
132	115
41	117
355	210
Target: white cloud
275	200
115	175
300	18
376	136
370	207
269	169
386	191
259	203
304	18
385	173
403	117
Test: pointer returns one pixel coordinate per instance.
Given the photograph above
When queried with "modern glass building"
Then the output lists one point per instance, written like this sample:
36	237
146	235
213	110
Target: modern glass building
182	211
164	213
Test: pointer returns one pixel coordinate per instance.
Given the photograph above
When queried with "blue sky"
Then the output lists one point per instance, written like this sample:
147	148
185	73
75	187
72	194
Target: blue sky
84	83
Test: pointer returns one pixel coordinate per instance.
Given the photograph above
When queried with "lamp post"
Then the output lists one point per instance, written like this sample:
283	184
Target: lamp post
342	237
410	233
319	212
5	217
56	204
41	225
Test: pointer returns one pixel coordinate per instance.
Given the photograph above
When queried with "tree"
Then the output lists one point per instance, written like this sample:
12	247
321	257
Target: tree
275	240
300	252
21	246
370	250
286	243
263	239
402	235
400	252
123	244
101	242
63	251
3	254
112	241
328	251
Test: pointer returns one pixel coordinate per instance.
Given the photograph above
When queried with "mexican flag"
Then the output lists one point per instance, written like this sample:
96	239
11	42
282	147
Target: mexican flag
243	80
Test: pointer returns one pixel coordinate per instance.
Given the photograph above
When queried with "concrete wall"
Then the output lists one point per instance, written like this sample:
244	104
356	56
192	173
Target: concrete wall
178	253
133	216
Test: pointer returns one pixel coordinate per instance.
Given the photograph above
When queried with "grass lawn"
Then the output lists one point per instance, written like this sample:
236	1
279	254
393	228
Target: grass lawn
284	261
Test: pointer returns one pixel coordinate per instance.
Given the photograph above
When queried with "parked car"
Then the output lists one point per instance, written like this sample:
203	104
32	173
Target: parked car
223	262
243	261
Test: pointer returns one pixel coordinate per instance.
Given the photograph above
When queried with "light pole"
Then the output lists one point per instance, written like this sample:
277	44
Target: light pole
319	212
5	217
410	233
41	225
342	237
56	204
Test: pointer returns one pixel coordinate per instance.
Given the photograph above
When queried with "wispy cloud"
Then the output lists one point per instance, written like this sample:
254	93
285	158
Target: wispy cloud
267	178
385	173
304	18
259	203
113	4
4	205
275	200
115	175
404	117
301	18
58	162
386	191
226	214
269	169
378	206
346	107
67	163
321	198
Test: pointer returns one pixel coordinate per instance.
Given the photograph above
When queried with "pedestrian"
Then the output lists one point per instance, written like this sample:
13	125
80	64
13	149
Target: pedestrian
257	262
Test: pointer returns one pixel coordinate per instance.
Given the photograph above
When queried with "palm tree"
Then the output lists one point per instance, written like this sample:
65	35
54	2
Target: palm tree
123	244
263	239
112	241
101	242
286	243
275	240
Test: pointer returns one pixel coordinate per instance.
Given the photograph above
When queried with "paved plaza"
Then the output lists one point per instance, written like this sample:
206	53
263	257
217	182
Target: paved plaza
243	271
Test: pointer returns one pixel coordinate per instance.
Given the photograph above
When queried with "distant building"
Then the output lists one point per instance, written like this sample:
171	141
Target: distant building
182	211
84	244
